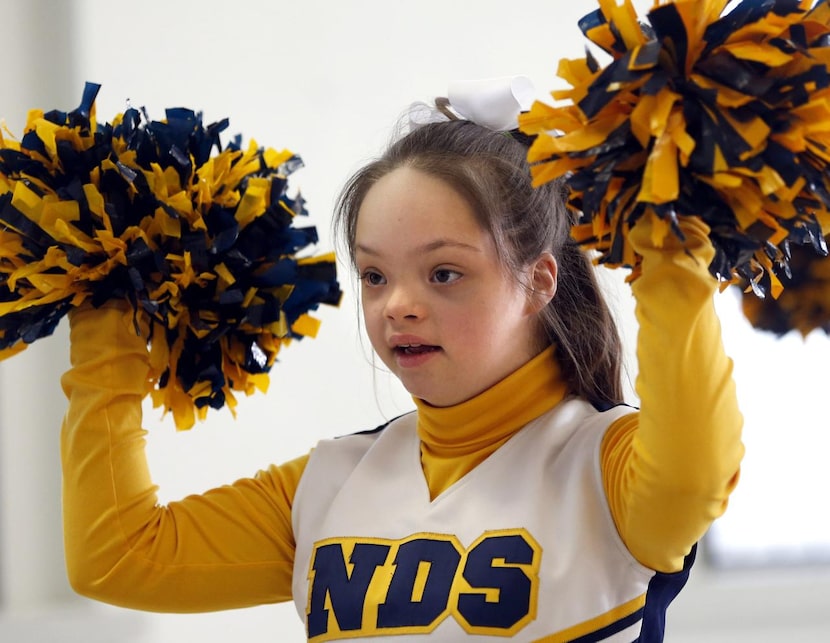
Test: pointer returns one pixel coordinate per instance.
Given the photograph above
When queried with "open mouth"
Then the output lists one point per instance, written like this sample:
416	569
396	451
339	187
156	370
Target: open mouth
416	349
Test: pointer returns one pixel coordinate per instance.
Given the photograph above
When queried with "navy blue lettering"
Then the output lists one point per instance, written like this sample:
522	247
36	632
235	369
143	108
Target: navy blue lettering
346	592
512	582
399	610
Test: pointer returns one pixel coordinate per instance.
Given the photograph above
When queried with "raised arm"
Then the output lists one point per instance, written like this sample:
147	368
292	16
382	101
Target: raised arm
669	470
230	547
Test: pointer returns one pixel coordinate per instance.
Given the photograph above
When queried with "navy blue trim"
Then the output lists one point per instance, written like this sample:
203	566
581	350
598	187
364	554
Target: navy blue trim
612	628
377	429
602	406
662	589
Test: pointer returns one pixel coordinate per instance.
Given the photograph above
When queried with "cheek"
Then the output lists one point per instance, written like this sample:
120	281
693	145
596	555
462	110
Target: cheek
470	326
497	319
372	317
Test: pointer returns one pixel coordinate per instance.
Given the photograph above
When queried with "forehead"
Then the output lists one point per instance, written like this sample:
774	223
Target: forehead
410	205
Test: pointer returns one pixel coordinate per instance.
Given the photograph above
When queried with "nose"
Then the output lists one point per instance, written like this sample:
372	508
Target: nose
404	302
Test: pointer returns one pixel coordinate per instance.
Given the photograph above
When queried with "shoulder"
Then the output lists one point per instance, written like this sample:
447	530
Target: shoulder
580	416
571	433
347	450
578	429
368	436
332	462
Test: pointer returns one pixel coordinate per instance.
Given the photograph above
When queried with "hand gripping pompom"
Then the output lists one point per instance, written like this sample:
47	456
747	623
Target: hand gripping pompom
699	113
201	245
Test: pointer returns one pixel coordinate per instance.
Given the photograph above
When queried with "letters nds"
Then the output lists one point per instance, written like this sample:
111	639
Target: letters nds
374	586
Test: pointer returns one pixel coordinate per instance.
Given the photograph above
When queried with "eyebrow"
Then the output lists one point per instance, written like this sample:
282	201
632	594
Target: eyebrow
438	244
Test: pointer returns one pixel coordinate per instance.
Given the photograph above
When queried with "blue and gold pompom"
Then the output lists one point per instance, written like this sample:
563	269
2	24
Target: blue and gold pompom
722	115
803	306
199	239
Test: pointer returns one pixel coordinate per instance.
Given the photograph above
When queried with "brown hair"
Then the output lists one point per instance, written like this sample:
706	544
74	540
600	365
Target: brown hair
490	170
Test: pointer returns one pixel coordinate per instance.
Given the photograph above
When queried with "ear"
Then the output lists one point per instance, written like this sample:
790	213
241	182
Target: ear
542	282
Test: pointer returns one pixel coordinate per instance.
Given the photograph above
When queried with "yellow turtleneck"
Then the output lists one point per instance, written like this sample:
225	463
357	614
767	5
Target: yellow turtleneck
456	439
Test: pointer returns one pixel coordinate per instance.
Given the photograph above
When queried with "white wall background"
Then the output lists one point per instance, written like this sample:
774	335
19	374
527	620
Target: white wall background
328	81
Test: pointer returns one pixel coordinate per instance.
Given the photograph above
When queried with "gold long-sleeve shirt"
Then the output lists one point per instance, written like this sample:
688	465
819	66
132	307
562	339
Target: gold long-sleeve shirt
668	469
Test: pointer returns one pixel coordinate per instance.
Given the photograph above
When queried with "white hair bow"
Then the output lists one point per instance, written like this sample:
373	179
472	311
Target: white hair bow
494	103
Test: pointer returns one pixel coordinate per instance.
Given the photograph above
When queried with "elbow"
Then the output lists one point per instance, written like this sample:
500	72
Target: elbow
88	584
81	584
703	503
713	505
662	529
106	590
711	496
106	584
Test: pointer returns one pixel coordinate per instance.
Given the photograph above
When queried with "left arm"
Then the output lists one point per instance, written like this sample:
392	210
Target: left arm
668	471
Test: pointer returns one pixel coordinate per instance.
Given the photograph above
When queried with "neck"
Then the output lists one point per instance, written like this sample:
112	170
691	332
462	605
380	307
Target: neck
456	439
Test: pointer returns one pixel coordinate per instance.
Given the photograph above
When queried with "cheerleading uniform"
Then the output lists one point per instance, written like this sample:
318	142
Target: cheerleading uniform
531	514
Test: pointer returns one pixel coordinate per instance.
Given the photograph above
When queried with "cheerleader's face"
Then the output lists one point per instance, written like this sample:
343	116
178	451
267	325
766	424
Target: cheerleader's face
441	310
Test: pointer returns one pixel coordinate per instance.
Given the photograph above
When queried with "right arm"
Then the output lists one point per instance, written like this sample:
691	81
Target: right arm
230	547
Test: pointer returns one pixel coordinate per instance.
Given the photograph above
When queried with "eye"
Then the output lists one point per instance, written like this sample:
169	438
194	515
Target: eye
445	276
372	278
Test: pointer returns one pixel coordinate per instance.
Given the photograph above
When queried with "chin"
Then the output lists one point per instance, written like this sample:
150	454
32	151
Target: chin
440	401
425	396
440	396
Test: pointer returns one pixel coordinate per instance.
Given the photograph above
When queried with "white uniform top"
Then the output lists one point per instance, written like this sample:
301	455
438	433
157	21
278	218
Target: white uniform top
523	546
